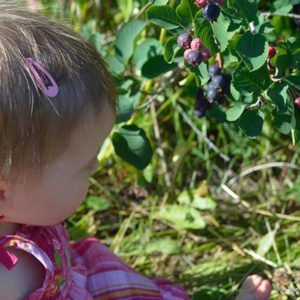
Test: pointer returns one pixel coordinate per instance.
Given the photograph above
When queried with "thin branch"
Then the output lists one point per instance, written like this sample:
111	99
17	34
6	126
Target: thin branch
201	135
272	14
261	167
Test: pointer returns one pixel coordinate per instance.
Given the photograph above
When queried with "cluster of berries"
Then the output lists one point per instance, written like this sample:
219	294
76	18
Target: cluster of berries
271	54
211	8
194	52
217	88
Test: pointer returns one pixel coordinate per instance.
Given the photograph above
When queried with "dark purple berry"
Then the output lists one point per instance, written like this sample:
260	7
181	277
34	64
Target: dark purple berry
211	86
194	57
212	95
206	54
211	12
199	113
214	70
227	83
184	40
201	102
297	102
218	81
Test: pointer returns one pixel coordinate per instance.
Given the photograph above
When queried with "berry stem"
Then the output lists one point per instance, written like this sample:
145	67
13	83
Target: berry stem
219	61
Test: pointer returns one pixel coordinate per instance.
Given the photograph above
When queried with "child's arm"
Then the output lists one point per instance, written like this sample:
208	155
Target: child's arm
23	279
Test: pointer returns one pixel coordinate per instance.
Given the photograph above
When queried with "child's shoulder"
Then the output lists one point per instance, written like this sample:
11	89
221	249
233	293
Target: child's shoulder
23	279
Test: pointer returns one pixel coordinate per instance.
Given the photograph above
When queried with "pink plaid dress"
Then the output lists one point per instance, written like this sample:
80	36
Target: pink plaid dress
82	270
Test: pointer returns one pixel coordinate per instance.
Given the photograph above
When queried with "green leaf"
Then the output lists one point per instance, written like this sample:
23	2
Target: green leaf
132	145
204	31
115	65
97	203
282	6
251	83
163	16
278	94
253	49
186	12
125	108
191	198
126	38
126	7
163	246
182	216
147	49
201	73
294	81
252	123
235	112
220	29
265	244
156	66
246	9
171	49
160	2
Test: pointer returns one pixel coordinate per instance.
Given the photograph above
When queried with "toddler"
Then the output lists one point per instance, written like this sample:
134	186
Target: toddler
57	105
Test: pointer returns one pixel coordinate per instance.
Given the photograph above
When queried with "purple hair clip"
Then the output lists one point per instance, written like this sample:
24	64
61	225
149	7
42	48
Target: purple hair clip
43	78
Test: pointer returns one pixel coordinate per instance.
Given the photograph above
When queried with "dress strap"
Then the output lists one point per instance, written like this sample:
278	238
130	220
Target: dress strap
7	259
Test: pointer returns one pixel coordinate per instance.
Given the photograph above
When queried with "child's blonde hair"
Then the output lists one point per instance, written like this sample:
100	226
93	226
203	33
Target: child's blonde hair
35	129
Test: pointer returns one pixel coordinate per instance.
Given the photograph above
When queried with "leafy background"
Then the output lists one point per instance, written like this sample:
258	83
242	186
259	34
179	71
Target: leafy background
207	201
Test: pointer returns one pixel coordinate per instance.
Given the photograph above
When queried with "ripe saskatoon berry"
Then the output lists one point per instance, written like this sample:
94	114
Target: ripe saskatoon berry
184	40
227	80
211	86
196	44
201	104
214	70
297	102
218	81
186	52
271	52
212	95
194	57
211	12
206	54
201	3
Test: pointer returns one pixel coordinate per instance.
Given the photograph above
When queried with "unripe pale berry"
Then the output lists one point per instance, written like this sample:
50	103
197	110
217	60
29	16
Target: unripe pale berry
184	40
196	44
206	54
211	12
271	52
186	52
201	3
297	102
194	57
